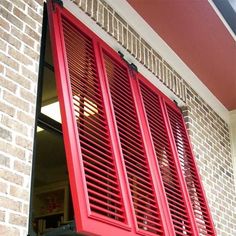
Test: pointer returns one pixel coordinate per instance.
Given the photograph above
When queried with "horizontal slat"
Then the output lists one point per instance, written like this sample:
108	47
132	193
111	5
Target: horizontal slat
166	162
189	172
136	165
98	160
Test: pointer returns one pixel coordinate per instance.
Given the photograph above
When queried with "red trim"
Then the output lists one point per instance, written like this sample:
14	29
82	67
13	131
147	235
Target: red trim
177	162
113	132
196	171
65	99
154	169
71	140
173	148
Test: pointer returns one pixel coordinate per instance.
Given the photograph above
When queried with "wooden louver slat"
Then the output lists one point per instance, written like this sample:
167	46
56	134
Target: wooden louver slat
140	183
100	173
165	157
189	170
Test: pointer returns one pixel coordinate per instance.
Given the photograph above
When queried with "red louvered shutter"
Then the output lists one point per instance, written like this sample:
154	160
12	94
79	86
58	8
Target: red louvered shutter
177	202
190	172
145	206
110	122
94	179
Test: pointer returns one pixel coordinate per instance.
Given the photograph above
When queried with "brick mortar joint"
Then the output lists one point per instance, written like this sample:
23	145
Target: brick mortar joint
150	58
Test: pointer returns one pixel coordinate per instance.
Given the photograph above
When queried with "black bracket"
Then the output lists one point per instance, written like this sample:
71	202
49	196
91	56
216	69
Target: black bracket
59	2
132	66
177	105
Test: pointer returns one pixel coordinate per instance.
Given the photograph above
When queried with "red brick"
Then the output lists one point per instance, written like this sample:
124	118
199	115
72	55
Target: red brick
15	101
12	150
9	231
17	219
11	177
19	56
19	192
11	18
25	18
4	24
9	204
9	61
17	78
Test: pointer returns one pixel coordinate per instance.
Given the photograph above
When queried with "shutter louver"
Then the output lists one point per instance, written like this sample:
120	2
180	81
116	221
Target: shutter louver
190	172
115	188
166	163
140	183
100	174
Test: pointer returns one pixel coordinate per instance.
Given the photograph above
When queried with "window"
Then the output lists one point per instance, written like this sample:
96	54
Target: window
130	164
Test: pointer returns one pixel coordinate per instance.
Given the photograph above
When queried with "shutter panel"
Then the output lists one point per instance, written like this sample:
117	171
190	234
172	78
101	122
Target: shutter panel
100	173
190	172
168	169
147	215
95	89
96	193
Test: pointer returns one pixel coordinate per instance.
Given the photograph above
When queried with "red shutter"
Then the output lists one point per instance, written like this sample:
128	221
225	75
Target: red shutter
190	172
167	164
109	125
96	191
145	206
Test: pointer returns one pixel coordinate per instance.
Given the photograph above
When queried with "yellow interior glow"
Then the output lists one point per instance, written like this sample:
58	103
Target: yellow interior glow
53	110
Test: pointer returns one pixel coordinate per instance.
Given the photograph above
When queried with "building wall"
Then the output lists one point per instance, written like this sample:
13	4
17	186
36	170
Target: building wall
20	32
210	137
19	50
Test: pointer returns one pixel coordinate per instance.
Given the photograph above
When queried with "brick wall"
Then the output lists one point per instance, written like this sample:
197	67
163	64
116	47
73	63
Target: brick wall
208	132
19	55
211	143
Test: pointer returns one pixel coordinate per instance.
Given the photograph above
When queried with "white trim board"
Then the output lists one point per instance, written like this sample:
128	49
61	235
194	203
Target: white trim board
123	8
218	13
233	140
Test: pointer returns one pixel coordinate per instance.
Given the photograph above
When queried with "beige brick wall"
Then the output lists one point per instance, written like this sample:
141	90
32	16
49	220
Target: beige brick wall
20	31
211	143
208	132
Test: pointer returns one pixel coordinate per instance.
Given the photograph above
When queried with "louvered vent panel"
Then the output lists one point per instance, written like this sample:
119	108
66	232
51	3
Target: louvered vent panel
100	173
145	205
190	173
166	163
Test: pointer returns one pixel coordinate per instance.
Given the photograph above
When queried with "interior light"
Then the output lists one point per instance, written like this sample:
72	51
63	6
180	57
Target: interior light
39	129
90	108
53	111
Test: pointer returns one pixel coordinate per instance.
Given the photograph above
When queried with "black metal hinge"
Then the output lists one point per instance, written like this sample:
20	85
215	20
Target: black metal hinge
132	66
177	105
59	2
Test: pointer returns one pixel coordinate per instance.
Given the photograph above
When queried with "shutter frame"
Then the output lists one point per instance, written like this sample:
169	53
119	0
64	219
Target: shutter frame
107	50
211	230
172	147
158	183
85	221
